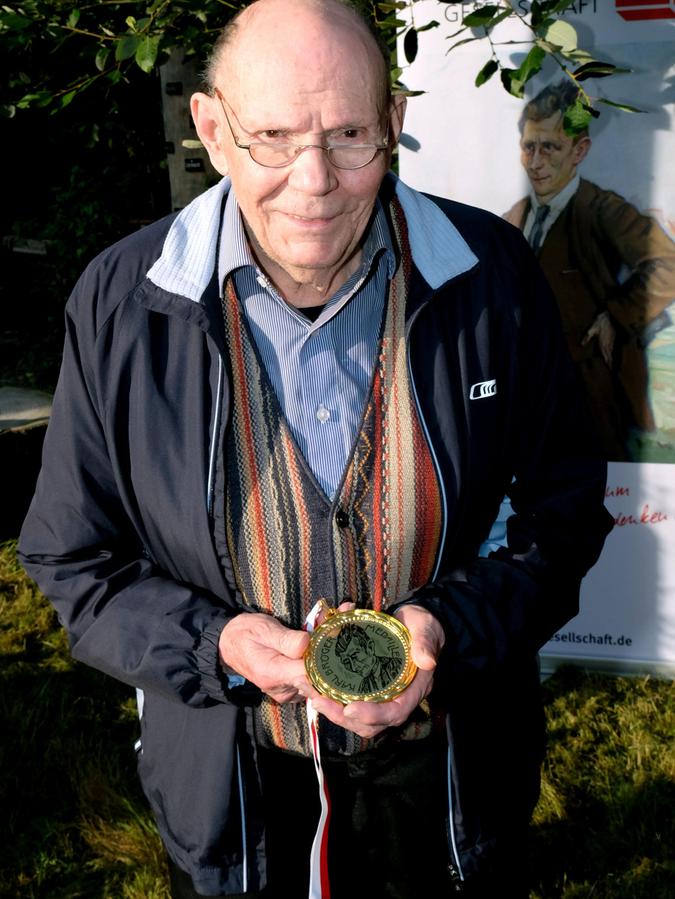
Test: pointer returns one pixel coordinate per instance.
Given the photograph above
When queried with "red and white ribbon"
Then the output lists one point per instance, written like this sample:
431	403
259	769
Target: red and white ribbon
319	886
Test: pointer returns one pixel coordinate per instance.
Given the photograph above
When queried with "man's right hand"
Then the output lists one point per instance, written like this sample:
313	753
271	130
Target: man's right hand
267	653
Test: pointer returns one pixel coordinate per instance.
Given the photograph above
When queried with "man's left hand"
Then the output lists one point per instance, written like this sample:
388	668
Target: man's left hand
602	329
367	719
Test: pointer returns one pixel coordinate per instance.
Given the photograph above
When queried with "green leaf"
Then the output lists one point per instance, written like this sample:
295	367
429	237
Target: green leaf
10	21
578	55
131	22
146	52
545	46
623	106
67	99
482	16
512	82
73	18
410	45
428	26
126	47
577	118
486	72
531	64
596	69
563	35
553	7
466	40
40	98
102	58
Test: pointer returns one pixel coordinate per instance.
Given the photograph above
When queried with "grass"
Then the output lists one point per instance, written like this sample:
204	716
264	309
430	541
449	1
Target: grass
76	824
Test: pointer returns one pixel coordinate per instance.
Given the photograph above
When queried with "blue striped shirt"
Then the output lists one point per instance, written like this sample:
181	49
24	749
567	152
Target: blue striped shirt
321	371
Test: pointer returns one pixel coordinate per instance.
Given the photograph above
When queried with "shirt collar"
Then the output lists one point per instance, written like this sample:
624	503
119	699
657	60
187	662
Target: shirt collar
561	199
235	252
190	251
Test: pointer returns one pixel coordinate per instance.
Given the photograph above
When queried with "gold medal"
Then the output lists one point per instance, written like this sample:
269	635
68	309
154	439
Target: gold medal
360	655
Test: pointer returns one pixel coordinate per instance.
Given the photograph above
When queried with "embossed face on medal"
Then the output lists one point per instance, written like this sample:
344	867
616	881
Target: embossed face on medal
362	655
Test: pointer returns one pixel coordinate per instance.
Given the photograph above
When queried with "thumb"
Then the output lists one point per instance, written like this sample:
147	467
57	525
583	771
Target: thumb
292	643
424	653
427	635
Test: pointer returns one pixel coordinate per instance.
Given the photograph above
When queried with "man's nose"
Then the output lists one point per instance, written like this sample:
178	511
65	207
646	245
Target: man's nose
312	172
537	158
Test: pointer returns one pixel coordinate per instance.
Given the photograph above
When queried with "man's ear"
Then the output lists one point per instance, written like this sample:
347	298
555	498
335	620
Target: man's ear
209	124
581	148
396	117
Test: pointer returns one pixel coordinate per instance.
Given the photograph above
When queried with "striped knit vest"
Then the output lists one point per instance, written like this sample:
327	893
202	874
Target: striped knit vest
290	545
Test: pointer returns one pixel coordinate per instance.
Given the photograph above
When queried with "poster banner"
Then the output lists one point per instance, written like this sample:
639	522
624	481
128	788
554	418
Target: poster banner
599	211
627	622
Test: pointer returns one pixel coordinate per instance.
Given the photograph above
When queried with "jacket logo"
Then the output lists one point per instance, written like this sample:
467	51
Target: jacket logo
483	389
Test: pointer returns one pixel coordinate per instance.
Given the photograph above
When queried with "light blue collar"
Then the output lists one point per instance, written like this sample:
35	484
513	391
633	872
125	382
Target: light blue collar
190	250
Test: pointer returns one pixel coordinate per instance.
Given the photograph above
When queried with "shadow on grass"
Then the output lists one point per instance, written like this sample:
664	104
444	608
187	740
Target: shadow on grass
605	827
75	822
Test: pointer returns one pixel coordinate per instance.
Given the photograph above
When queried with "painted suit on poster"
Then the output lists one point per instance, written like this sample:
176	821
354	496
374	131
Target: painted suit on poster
612	270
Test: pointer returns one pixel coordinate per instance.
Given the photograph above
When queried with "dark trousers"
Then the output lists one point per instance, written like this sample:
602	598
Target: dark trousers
388	830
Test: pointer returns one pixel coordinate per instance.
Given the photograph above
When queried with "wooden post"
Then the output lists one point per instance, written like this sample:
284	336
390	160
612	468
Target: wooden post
190	171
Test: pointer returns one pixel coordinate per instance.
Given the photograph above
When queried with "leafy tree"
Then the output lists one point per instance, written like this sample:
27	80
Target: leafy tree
106	40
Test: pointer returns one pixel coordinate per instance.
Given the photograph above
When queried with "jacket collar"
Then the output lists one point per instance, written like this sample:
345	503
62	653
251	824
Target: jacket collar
189	254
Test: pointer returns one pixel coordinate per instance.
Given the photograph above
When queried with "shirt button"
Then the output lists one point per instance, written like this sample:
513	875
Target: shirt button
341	518
322	414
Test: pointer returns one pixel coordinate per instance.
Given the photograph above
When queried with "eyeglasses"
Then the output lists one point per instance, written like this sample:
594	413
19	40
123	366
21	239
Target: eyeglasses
280	153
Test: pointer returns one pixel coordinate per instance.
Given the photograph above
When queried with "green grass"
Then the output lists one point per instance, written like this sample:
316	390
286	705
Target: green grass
75	823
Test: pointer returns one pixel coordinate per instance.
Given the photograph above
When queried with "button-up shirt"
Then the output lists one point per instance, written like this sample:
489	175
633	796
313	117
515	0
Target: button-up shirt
320	371
556	206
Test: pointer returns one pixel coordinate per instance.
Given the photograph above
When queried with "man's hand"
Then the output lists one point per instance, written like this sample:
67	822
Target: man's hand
603	329
267	653
367	719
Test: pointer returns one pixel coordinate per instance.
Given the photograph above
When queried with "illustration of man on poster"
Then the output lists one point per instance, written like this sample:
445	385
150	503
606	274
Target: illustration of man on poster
611	268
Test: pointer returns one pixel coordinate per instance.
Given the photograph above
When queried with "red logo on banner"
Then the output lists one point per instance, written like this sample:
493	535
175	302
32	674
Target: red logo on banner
639	10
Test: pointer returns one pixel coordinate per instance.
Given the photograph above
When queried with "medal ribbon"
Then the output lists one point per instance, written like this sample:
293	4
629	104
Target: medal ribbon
319	886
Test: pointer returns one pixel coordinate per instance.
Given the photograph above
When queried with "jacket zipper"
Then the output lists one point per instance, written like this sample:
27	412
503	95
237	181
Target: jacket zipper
244	837
214	439
456	866
210	489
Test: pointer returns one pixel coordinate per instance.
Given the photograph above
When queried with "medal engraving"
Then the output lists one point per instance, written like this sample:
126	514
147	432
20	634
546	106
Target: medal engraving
360	655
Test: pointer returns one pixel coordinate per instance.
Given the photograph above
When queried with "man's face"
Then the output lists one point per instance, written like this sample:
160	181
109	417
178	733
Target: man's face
290	79
358	658
549	156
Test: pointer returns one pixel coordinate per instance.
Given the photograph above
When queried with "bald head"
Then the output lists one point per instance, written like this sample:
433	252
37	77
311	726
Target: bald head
302	78
297	27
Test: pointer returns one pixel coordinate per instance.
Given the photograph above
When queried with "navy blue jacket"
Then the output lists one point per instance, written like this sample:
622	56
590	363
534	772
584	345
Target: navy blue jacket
120	535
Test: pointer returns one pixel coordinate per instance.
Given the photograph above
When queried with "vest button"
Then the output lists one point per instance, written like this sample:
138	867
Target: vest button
341	518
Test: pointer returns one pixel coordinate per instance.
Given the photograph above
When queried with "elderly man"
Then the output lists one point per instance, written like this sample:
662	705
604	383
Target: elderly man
315	382
611	268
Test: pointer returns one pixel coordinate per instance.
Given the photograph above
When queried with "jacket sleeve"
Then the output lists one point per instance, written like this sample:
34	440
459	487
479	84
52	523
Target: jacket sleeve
123	614
647	253
499	610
